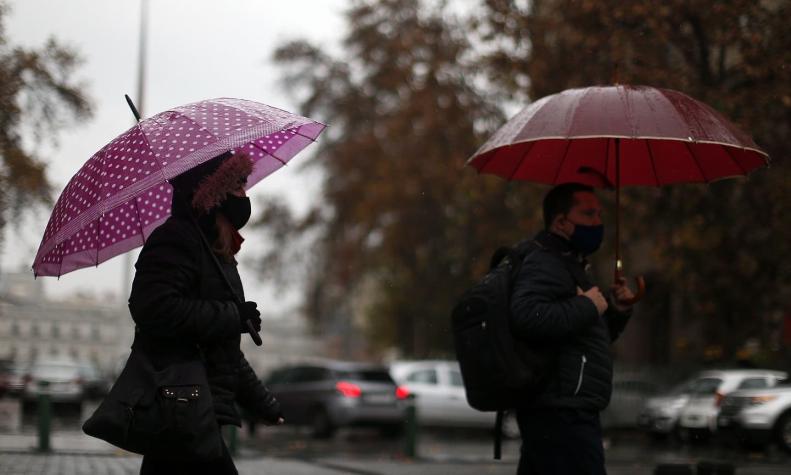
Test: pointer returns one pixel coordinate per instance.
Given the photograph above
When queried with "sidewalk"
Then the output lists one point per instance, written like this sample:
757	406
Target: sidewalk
76	454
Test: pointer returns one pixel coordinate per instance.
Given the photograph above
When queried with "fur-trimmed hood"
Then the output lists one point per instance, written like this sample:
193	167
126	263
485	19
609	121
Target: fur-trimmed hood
206	186
230	175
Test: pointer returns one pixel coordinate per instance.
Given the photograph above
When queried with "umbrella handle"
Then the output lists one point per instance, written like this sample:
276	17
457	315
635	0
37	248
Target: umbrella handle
639	294
253	334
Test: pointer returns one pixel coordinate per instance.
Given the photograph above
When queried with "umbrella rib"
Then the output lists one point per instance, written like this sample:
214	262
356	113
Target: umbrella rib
695	159
560	165
738	165
148	143
98	228
140	219
653	162
270	154
519	162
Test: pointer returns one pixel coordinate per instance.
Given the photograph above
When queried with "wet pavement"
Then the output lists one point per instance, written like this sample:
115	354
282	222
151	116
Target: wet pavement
289	450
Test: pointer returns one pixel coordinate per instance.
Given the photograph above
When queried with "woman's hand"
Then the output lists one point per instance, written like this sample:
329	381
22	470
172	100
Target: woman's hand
249	311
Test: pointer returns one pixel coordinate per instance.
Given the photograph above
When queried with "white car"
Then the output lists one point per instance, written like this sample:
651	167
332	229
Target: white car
660	414
699	415
64	378
440	398
757	416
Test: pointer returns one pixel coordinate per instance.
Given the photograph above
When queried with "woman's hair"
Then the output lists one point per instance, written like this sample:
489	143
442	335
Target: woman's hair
223	245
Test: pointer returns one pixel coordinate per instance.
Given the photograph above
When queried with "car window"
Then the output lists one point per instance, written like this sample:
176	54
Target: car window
754	383
312	374
306	374
423	376
279	376
706	386
455	379
370	375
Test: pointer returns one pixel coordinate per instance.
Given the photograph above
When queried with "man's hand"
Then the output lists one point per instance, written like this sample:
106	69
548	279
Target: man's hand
621	292
595	295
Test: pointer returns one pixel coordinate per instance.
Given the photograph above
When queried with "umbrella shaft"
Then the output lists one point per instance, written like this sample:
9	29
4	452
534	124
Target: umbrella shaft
618	263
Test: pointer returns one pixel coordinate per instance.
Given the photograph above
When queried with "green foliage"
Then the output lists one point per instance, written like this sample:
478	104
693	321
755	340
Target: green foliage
38	95
721	246
403	228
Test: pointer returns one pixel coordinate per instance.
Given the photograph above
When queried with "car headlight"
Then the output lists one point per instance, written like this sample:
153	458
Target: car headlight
758	400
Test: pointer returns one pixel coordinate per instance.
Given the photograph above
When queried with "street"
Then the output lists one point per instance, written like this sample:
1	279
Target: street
291	450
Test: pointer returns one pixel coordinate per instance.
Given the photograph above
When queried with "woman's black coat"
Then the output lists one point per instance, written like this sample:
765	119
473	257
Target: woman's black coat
180	303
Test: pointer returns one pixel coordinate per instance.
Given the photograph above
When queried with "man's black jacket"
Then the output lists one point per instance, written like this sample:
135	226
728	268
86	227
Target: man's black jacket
180	302
548	313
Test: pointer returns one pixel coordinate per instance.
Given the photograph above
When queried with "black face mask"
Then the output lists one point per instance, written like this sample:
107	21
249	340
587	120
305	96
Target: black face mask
587	239
237	210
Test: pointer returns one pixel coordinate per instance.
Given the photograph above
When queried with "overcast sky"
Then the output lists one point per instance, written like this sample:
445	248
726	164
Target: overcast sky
197	49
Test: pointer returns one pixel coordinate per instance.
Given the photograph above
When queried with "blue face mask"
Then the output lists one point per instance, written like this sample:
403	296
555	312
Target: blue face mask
587	239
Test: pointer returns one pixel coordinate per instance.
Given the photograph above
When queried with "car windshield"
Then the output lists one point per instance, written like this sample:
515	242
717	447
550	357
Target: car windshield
682	388
89	372
706	386
55	371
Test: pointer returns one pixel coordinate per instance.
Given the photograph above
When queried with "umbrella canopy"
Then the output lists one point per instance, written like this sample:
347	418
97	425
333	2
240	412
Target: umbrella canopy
121	194
614	136
662	136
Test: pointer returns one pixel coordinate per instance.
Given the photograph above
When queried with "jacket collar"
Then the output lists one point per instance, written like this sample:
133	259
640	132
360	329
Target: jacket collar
559	244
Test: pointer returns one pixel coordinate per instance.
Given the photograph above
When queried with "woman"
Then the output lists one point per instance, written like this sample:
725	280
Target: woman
181	303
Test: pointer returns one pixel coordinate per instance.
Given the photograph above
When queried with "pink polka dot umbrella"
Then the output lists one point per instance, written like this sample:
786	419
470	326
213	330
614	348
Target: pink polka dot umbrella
121	194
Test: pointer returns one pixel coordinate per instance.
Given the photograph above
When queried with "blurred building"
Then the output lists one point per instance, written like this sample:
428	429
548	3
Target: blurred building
101	330
82	328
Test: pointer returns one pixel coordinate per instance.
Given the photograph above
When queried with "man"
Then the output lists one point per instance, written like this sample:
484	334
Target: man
555	307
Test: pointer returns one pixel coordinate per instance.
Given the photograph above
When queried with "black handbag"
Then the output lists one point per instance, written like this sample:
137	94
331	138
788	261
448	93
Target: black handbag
166	414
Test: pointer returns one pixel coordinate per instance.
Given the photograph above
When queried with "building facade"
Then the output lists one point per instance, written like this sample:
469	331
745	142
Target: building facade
84	329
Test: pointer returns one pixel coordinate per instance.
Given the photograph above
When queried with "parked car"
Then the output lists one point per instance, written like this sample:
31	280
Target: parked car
440	398
17	379
758	416
94	384
329	395
699	416
5	374
630	391
65	378
660	413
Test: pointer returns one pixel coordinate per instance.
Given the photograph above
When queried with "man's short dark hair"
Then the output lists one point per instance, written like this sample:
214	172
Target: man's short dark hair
560	200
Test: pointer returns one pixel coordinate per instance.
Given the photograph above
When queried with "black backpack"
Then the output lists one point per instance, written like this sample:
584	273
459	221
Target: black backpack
498	371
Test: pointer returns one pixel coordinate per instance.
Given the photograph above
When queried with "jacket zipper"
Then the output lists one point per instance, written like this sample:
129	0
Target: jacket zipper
582	371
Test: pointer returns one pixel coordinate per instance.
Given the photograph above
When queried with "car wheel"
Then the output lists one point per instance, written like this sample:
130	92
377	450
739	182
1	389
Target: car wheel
321	425
510	426
783	431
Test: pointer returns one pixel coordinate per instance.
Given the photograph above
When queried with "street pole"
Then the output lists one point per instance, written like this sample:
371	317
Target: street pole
44	417
140	103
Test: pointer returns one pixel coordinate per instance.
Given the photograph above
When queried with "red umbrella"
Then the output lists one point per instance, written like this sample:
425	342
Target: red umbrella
614	136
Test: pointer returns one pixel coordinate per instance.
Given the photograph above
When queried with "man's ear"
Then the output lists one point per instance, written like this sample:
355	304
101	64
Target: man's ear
560	224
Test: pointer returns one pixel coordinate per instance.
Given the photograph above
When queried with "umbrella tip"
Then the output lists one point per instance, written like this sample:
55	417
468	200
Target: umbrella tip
132	106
